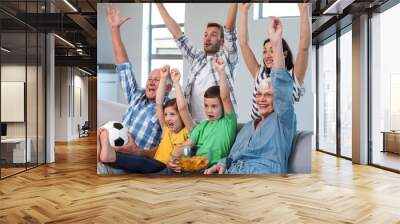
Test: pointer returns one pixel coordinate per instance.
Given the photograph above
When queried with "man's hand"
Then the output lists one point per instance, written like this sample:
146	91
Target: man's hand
218	168
219	64
164	71
130	147
113	17
175	75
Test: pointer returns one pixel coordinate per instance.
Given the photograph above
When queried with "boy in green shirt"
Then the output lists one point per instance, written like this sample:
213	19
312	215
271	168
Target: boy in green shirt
215	135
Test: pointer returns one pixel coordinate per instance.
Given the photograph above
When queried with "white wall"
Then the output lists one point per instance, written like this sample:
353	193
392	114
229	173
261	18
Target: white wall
109	87
196	17
131	35
67	81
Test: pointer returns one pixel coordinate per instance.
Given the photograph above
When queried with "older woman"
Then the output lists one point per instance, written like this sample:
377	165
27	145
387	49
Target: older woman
263	145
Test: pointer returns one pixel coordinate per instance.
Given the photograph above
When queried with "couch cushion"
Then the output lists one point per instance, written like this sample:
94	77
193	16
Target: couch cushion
300	157
109	111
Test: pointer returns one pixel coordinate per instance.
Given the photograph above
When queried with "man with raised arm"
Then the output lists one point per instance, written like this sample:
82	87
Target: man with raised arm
140	117
218	42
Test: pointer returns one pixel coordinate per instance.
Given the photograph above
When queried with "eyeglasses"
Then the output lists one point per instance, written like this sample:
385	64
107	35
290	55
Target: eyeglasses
264	95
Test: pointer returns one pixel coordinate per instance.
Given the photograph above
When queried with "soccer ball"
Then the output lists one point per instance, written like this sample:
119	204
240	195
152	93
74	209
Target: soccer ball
117	133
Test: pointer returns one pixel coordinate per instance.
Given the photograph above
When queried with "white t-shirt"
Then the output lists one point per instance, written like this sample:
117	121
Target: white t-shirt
203	81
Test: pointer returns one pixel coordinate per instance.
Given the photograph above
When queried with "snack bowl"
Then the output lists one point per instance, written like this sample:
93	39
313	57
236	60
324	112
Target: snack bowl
190	162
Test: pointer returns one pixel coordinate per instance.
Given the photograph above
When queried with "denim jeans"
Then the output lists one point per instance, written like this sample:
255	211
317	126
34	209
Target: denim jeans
137	164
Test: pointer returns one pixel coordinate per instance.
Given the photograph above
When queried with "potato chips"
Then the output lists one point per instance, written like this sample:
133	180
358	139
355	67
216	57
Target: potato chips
192	164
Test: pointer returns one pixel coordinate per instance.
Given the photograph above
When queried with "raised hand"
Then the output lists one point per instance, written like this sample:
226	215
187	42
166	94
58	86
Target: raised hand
302	6
164	71
219	64
175	75
244	7
275	29
113	17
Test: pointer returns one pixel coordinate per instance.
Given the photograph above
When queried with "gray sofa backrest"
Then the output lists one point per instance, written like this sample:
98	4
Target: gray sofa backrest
300	157
109	111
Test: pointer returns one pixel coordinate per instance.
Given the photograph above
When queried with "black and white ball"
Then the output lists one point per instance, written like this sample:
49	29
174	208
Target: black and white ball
117	133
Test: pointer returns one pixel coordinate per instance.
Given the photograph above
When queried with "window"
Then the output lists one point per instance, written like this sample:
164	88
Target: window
394	101
162	46
327	96
385	88
22	65
265	10
334	96
346	74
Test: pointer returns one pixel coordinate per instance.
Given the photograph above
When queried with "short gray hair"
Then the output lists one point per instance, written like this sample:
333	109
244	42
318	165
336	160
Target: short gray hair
265	84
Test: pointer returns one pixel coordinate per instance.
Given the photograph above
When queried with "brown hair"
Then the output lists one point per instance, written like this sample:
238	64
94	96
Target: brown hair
289	55
219	26
212	92
171	103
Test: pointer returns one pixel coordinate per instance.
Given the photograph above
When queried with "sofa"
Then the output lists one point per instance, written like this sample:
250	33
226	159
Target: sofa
299	159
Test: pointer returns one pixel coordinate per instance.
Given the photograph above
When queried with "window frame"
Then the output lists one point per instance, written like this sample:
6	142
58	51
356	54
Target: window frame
152	56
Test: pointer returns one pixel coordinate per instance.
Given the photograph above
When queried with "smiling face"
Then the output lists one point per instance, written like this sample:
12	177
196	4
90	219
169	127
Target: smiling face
267	54
152	84
212	40
264	99
213	108
172	119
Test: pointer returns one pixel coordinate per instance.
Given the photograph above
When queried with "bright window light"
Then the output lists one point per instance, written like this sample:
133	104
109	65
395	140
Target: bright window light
176	10
279	10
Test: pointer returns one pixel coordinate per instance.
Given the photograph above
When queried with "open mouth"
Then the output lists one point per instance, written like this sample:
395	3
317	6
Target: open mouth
210	117
170	125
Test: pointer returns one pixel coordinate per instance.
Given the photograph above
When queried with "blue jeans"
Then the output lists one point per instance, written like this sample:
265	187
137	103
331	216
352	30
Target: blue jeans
136	164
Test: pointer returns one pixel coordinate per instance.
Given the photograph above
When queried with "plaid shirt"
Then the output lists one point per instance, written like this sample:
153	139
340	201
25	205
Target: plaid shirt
197	60
298	89
141	117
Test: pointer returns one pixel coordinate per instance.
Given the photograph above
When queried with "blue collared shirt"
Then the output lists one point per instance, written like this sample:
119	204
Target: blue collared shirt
141	117
266	150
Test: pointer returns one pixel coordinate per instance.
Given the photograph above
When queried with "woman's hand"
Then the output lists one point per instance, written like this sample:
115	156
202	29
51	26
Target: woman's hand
302	6
275	29
218	168
244	7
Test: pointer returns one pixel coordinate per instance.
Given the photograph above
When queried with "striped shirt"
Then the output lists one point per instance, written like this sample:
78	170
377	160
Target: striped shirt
141	117
298	89
202	72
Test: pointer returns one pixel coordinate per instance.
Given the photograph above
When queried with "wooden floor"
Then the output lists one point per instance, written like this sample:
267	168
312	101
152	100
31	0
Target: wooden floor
70	191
